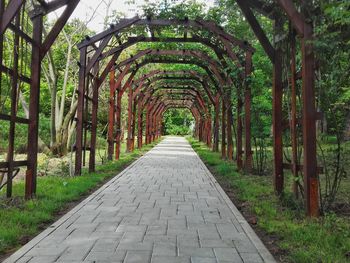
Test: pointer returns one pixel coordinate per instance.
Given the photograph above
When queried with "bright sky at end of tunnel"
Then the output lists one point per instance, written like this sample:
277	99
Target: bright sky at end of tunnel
95	11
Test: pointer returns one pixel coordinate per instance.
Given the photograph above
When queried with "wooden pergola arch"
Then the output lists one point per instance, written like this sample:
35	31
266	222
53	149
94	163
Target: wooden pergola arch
93	51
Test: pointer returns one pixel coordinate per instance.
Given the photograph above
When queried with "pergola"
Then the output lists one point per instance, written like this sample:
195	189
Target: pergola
205	91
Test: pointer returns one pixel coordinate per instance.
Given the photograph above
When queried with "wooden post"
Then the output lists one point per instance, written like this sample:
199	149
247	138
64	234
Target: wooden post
92	159
118	122
309	123
216	123
111	118
277	93
223	129
248	162
130	119
239	131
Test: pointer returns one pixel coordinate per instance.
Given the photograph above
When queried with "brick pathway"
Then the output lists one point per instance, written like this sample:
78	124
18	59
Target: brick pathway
166	207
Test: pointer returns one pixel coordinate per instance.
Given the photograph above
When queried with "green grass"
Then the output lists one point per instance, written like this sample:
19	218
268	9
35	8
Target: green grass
304	240
20	220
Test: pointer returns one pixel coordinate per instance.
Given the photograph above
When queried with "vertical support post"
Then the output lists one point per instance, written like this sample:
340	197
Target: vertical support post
130	119
216	123
223	129
229	129
248	162
239	130
147	124
209	133
111	115
133	127
277	93
80	112
33	127
139	125
14	92
118	122
95	85
309	123
293	121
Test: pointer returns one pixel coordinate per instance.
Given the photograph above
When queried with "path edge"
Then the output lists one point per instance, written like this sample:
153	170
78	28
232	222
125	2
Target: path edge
263	251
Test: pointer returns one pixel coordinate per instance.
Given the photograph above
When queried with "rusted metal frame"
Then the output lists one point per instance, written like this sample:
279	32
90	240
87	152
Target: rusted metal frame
248	154
57	28
95	85
14	92
111	115
33	127
98	52
258	31
12	9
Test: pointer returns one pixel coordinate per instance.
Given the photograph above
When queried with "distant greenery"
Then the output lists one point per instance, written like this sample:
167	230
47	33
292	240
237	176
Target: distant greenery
178	122
304	240
20	219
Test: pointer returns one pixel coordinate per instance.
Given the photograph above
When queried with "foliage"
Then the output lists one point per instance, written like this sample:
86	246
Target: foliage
178	122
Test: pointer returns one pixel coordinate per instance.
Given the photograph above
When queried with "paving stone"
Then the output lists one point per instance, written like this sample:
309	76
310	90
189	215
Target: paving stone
227	254
164	249
203	260
251	258
167	259
137	257
165	208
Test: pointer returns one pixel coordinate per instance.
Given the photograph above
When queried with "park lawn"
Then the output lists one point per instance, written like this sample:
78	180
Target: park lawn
21	220
301	239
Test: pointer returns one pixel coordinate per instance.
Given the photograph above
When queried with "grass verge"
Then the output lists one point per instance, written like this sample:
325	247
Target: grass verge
21	220
280	221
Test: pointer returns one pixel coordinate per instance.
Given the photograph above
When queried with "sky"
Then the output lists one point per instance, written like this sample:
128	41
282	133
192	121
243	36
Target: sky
98	7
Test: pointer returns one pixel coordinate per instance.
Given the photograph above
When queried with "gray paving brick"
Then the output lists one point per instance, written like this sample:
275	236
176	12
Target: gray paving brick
165	208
